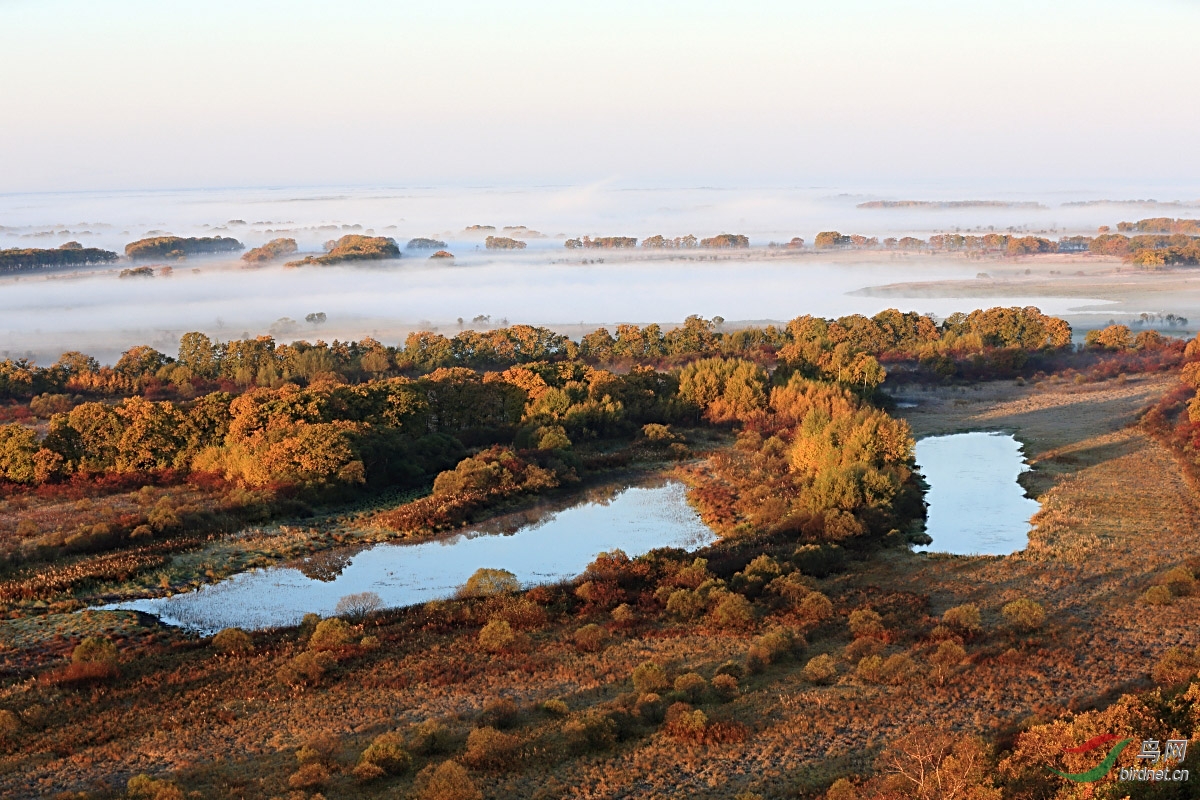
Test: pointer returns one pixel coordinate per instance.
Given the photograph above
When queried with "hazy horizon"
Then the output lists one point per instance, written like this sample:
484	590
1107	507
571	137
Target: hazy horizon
465	93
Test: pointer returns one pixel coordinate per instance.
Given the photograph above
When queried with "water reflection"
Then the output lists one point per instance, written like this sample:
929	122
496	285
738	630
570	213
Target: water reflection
539	545
976	506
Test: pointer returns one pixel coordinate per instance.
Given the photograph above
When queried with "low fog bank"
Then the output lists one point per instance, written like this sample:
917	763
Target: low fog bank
99	313
312	216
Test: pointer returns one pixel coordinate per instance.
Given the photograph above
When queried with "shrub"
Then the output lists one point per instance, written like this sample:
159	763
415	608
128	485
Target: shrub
430	737
497	637
819	560
1024	614
897	669
321	748
233	641
866	622
306	669
386	752
366	772
1158	596
843	789
870	669
692	686
590	731
488	748
623	614
447	781
686	604
163	517
93	659
815	608
10	723
591	637
94	650
945	660
725	686
358	605
308	624
654	432
860	648
500	713
732	668
770	648
650	707
331	634
650	678
820	669
522	613
792	588
1180	580
964	618
556	707
369	643
734	611
1176	666
486	582
684	722
143	787
309	776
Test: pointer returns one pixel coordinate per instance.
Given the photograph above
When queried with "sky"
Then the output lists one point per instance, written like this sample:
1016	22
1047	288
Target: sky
132	94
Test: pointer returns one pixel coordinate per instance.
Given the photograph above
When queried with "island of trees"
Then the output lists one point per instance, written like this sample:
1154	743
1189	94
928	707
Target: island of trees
353	247
271	251
71	254
503	243
161	247
424	244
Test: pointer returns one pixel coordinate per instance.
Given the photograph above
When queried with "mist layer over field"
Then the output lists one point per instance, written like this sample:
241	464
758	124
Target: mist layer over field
544	284
104	315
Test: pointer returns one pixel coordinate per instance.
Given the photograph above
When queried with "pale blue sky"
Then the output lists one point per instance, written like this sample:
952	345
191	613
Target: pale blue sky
127	93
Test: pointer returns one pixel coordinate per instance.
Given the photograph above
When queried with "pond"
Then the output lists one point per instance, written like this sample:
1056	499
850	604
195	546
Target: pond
976	506
541	545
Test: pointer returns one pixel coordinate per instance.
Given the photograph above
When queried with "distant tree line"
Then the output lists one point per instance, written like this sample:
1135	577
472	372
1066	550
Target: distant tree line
658	242
1189	227
603	242
951	204
71	254
836	349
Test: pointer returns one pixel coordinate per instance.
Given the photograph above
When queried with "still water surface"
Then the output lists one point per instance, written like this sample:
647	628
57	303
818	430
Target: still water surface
976	506
542	546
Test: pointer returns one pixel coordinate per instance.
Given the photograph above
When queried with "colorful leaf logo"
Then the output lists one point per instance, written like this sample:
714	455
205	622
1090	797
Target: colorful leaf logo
1100	770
